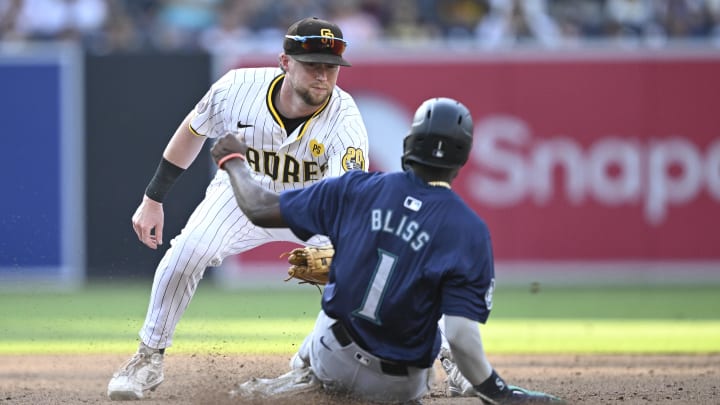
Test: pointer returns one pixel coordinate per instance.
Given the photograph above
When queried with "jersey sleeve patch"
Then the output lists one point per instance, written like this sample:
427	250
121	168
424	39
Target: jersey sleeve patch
353	159
489	294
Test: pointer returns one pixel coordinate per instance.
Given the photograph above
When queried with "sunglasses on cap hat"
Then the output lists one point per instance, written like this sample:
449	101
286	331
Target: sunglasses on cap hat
319	43
314	40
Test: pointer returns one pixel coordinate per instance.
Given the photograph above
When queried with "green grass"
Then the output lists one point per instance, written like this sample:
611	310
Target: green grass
572	319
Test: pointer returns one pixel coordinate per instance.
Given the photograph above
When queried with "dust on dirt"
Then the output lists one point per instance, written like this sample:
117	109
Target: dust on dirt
207	379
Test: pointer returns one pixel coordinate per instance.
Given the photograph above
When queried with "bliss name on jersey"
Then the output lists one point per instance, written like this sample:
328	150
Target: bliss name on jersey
408	231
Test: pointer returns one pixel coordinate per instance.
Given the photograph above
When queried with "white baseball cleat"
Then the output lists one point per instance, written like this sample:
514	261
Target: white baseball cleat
458	385
143	372
296	381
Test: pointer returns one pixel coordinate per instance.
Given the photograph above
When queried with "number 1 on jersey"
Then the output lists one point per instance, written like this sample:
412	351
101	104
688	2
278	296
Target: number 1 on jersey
376	291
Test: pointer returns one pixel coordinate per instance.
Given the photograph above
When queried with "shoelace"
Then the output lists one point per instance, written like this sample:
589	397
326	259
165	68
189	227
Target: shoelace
130	364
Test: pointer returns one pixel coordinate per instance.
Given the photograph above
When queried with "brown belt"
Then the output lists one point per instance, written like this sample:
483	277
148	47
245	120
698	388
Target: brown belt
388	367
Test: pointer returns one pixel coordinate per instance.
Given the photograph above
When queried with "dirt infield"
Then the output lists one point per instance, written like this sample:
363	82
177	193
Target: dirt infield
206	379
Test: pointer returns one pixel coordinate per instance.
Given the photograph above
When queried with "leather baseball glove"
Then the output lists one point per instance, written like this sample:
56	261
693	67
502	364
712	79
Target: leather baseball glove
310	265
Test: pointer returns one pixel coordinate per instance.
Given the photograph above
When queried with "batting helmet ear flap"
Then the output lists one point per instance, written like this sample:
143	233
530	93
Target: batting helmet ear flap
440	135
407	147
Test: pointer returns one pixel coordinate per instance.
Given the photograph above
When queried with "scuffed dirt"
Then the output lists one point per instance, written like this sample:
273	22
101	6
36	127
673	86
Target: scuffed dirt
206	379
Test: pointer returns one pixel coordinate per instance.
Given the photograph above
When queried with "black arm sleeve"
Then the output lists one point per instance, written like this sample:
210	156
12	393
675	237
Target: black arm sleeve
165	176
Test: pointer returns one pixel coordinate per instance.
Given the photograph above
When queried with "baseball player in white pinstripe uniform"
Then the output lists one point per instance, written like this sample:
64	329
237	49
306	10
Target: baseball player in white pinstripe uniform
299	126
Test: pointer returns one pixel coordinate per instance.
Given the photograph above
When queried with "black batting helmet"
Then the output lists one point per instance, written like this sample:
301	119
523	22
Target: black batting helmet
440	135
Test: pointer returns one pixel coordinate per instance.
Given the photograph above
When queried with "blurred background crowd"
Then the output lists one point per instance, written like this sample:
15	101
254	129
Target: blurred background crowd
227	25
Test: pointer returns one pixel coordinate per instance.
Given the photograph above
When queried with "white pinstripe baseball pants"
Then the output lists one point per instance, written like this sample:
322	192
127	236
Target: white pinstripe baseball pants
215	230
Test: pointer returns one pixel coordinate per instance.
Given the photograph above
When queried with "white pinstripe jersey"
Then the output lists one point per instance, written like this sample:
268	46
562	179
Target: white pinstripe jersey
331	142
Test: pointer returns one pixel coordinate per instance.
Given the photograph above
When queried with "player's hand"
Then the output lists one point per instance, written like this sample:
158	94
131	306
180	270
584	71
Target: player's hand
227	144
518	395
149	217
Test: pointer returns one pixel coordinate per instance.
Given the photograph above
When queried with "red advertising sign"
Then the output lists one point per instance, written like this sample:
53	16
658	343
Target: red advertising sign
586	159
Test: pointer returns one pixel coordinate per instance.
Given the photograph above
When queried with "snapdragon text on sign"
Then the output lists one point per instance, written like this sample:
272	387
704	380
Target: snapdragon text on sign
615	170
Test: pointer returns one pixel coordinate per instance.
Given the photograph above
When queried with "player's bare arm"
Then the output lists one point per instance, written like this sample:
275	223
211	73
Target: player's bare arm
184	146
181	151
260	205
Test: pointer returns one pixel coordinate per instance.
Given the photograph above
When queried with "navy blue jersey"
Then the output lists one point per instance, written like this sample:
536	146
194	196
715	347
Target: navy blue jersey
405	253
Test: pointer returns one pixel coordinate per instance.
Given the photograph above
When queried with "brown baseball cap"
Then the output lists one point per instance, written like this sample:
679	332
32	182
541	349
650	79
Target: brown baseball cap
317	41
